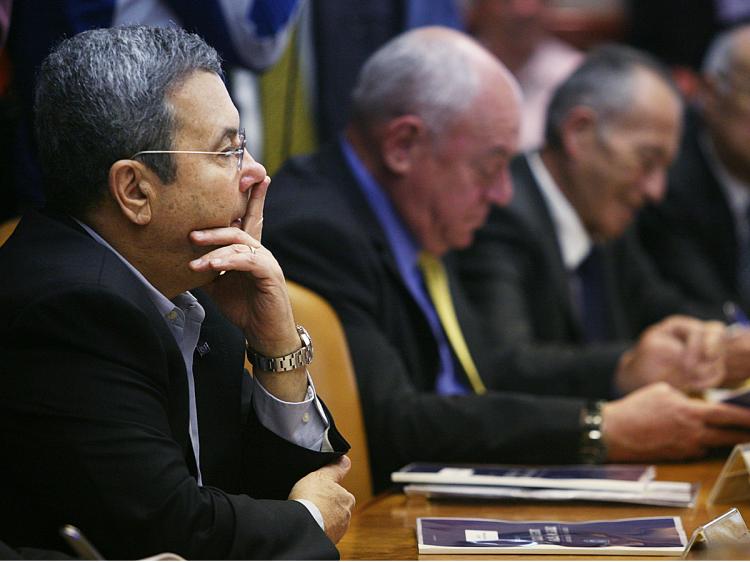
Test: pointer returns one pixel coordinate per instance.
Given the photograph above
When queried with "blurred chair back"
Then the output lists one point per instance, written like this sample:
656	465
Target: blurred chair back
335	382
6	229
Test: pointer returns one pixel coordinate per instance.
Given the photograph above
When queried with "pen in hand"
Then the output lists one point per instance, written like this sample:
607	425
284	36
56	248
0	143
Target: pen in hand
735	315
80	544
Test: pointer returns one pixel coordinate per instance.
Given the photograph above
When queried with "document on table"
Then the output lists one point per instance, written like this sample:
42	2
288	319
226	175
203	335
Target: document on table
642	536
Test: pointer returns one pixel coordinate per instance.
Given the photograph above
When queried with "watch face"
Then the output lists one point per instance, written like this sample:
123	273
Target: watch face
306	343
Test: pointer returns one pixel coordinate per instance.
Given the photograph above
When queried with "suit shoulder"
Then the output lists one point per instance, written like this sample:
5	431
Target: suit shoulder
48	262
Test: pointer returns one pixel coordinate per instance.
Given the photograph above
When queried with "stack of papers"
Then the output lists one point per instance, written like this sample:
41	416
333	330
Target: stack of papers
641	536
739	396
606	483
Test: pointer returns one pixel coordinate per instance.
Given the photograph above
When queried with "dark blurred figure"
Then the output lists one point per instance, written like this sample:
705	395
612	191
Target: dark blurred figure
516	32
678	31
5	9
699	236
7	118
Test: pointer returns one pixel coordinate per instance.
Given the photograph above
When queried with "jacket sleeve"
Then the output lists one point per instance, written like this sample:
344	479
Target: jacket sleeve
513	288
405	419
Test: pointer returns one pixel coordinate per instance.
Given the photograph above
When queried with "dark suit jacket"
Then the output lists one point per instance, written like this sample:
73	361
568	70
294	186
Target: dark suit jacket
514	273
94	417
691	234
321	229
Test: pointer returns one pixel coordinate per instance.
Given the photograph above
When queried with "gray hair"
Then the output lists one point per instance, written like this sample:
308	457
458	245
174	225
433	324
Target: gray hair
604	82
719	58
415	73
101	96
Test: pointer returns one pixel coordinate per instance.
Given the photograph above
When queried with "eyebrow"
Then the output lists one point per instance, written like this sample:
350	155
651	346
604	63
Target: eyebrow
229	133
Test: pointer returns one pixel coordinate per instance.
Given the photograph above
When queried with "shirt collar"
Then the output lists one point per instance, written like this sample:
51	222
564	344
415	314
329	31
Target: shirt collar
405	248
575	243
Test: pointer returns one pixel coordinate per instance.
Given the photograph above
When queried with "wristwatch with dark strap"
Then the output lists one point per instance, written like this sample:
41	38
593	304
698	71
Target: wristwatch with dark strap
289	362
593	448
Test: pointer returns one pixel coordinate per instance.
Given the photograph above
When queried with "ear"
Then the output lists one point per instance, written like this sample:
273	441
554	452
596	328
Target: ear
707	95
132	190
402	140
579	130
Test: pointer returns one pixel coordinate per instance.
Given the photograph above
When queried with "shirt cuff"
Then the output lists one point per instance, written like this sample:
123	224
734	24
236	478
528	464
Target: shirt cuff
303	423
314	511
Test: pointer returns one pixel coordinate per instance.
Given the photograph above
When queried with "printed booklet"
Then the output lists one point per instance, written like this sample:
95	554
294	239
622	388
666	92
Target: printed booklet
650	495
643	536
738	396
633	478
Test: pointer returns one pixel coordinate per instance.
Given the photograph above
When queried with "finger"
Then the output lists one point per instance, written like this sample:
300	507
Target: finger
227	257
337	470
721	437
679	326
714	341
222	236
726	415
706	364
705	376
252	222
693	350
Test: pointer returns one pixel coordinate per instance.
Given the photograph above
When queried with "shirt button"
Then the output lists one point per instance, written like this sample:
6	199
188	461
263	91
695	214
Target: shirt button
171	315
305	417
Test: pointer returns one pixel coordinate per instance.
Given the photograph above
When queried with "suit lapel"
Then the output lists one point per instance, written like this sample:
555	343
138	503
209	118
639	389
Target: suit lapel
530	202
116	274
335	164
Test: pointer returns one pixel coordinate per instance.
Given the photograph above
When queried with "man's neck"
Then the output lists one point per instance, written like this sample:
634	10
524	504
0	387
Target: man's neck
166	271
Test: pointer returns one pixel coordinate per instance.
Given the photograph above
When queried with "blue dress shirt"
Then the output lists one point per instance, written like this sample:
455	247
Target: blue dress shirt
406	251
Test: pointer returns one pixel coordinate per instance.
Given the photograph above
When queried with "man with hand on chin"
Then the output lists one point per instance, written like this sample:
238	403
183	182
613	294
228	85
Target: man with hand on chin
124	405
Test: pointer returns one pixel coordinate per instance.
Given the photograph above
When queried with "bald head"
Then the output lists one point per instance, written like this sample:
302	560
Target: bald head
433	72
436	120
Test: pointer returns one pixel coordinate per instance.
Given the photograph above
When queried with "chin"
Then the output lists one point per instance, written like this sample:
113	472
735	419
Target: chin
463	243
202	278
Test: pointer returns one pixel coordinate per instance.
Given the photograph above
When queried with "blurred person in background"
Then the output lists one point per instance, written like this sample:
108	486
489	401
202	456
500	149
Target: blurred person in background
516	32
558	276
366	222
699	235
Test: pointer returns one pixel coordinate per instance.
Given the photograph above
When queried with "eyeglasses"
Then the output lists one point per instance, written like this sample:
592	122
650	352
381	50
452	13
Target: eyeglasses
630	158
238	152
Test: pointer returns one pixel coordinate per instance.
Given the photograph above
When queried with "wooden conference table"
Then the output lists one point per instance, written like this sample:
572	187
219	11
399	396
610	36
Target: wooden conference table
384	527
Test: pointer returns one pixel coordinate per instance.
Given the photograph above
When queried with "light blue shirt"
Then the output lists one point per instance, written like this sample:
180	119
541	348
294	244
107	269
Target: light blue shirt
405	250
303	423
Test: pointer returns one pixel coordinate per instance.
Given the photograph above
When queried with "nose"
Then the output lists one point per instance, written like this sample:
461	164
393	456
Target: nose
253	172
654	185
501	191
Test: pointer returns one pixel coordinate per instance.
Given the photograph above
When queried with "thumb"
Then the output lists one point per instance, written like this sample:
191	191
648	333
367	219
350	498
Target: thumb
337	470
680	327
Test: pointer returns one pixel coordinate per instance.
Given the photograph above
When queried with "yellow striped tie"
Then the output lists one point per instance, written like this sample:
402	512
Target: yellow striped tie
436	281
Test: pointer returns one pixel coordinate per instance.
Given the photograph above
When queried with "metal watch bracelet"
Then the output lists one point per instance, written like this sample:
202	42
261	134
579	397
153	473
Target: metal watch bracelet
289	362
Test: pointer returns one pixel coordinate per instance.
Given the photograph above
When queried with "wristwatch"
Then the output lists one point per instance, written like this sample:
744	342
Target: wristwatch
294	360
593	448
